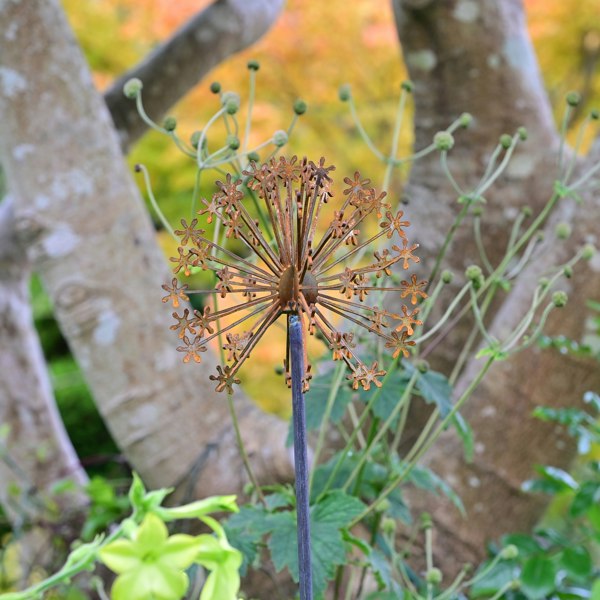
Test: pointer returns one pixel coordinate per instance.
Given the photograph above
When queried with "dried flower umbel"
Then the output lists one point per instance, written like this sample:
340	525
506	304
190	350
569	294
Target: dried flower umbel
287	272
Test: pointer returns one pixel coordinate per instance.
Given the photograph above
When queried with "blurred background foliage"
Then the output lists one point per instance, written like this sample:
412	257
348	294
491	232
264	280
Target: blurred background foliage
299	59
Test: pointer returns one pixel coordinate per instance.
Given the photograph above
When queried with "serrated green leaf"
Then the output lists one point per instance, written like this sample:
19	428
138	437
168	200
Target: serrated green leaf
245	531
538	577
577	562
328	548
276	500
337	508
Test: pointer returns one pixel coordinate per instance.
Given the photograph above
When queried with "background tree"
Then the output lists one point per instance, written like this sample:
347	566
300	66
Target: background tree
462	56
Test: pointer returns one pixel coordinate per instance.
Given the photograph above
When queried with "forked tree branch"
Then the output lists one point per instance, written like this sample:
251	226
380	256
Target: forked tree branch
177	65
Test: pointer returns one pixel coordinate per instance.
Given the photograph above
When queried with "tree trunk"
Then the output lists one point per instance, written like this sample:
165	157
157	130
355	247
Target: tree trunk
90	238
476	57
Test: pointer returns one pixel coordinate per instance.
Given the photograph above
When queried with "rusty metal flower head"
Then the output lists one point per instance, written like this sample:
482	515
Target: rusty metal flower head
287	272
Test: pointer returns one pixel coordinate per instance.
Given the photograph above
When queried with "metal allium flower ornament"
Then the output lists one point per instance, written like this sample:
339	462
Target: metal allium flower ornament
288	272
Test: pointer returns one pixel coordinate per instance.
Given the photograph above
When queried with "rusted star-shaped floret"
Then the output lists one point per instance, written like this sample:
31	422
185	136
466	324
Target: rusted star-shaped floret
287	271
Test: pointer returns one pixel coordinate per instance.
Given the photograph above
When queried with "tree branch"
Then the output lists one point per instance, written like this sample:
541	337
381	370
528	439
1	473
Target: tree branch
36	452
175	67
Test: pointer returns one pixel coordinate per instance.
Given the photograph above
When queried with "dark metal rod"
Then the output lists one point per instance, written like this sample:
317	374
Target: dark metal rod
300	457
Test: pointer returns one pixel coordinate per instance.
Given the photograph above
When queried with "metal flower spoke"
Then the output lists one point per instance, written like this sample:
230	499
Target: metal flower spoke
291	268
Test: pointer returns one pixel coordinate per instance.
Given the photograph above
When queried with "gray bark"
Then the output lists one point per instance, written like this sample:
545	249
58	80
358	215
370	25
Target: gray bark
476	57
36	452
84	227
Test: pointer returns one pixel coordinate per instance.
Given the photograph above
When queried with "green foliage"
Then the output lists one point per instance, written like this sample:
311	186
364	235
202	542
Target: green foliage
149	562
330	518
557	561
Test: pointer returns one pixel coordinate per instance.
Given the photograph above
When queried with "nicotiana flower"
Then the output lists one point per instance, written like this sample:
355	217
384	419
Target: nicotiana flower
287	270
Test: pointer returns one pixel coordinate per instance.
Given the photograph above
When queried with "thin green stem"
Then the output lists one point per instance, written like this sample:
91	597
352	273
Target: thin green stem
242	448
251	92
563	138
417	455
429	557
153	202
514	232
479	317
442	253
202	139
395	140
501	167
449	176
377	432
348	447
575	151
455	301
479	243
363	133
336	382
490	165
401	426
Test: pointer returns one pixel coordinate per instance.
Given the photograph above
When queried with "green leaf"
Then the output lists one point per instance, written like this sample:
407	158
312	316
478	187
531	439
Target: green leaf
381	568
538	577
436	389
465	432
577	562
426	479
328	548
388	395
588	495
337	508
596	590
137	491
374	476
561	478
245	530
593	515
494	579
316	402
525	543
277	500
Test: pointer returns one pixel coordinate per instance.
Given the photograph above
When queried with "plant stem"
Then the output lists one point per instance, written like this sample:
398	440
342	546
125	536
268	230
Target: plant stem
300	457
